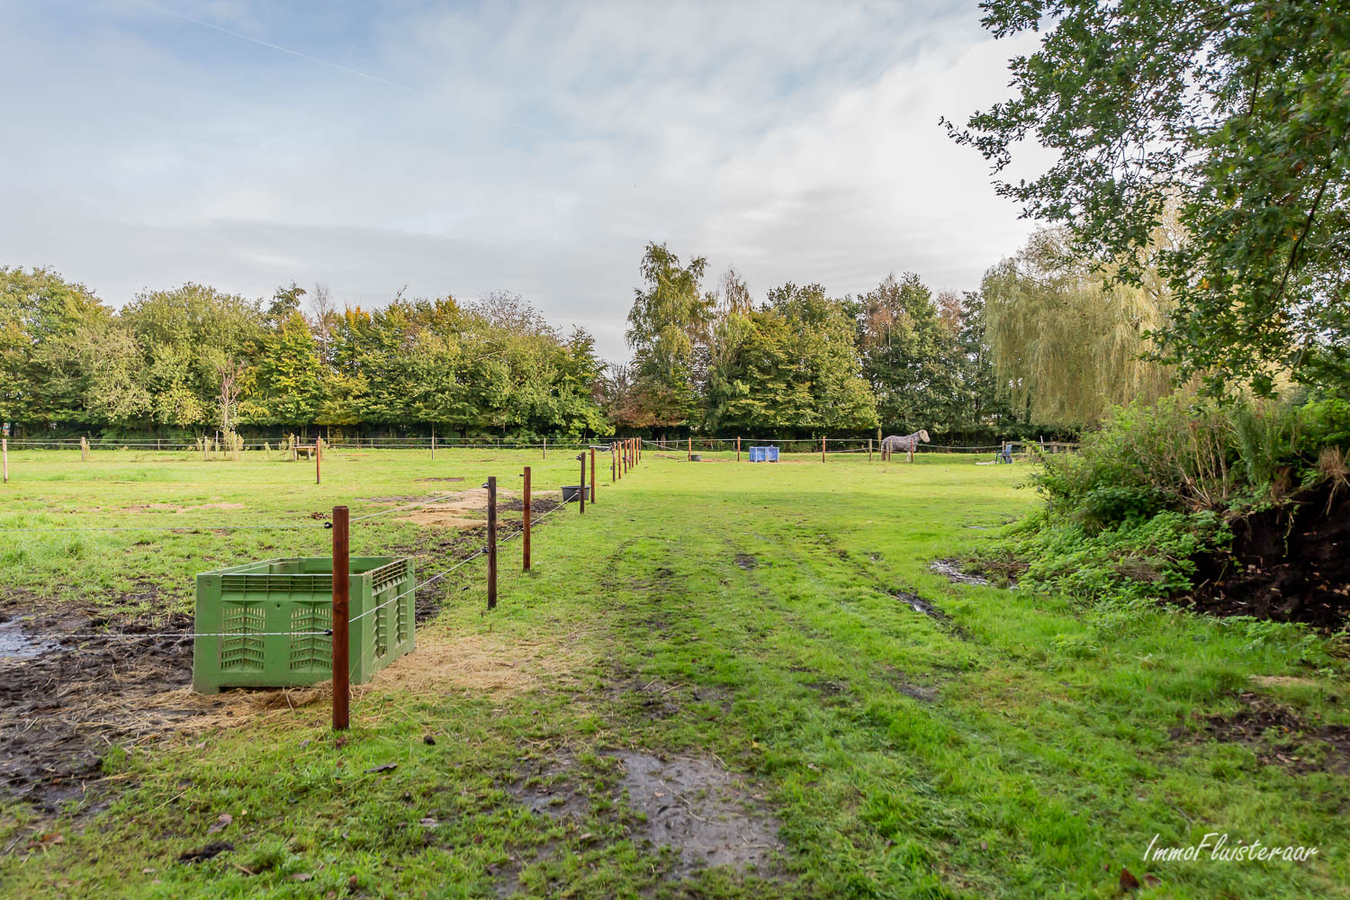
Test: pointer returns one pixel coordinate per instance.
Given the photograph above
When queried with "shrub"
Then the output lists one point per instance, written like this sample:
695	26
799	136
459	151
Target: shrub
1155	486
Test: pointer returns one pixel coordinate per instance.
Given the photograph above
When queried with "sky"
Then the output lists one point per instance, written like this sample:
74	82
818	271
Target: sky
459	149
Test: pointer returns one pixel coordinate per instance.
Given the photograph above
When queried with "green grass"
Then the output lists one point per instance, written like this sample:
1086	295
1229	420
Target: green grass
1041	764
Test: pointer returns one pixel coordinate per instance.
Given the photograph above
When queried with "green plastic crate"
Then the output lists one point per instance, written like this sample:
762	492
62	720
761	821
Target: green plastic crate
258	606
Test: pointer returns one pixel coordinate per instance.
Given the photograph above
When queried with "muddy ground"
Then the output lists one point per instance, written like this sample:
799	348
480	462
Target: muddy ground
66	700
1290	564
704	814
1277	735
74	683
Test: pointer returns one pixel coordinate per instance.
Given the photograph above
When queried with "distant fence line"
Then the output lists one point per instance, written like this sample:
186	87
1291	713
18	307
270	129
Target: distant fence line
701	444
281	443
842	445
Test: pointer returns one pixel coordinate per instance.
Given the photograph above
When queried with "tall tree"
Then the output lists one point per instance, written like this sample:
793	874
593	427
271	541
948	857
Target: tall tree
668	330
41	380
289	376
189	336
790	366
907	355
1237	113
1066	342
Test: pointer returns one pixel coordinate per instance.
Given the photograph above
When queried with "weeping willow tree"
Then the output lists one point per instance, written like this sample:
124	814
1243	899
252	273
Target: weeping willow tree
1068	342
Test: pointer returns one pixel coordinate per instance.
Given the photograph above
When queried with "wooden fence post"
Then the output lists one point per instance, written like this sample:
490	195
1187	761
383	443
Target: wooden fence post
690	452
318	460
433	443
341	665
4	450
738	449
592	474
492	541
525	532
822	449
545	446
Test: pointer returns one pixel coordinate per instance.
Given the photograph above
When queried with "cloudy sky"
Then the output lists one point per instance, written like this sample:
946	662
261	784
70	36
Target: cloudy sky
463	148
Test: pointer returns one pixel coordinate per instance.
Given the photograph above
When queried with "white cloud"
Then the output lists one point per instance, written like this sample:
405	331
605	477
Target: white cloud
540	148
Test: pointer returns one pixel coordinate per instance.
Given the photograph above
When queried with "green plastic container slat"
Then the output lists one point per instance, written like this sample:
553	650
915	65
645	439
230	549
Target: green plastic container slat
261	606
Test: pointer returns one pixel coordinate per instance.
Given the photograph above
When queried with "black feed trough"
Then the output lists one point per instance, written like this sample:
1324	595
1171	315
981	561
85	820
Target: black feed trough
571	493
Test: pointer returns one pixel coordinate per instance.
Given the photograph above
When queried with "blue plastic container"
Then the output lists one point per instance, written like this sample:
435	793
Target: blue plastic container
764	454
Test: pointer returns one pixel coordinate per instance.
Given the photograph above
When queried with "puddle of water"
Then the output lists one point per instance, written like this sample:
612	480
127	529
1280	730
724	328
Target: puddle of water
918	604
15	643
707	814
948	568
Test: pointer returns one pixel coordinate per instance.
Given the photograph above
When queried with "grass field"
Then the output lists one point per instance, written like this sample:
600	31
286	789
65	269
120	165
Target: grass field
751	665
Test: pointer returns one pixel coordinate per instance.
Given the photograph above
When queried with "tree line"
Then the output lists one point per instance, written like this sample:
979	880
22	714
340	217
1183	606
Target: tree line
709	360
194	359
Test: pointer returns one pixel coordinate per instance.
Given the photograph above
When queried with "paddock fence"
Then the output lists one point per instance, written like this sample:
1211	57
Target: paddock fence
624	456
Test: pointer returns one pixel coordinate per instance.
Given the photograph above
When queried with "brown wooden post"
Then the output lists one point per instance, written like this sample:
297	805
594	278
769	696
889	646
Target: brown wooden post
690	451
738	449
869	449
318	460
525	532
433	442
341	666
582	457
4	450
545	446
592	474
613	465
492	541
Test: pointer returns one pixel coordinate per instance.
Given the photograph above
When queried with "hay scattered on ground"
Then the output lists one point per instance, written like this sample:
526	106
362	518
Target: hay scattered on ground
1283	681
158	507
478	663
442	518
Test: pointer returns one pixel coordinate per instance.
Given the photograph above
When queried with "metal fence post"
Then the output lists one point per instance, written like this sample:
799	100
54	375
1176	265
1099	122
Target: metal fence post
492	540
341	665
582	458
525	532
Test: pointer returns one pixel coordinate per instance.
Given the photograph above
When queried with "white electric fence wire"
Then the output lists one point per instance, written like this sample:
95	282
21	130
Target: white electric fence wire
190	635
179	528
